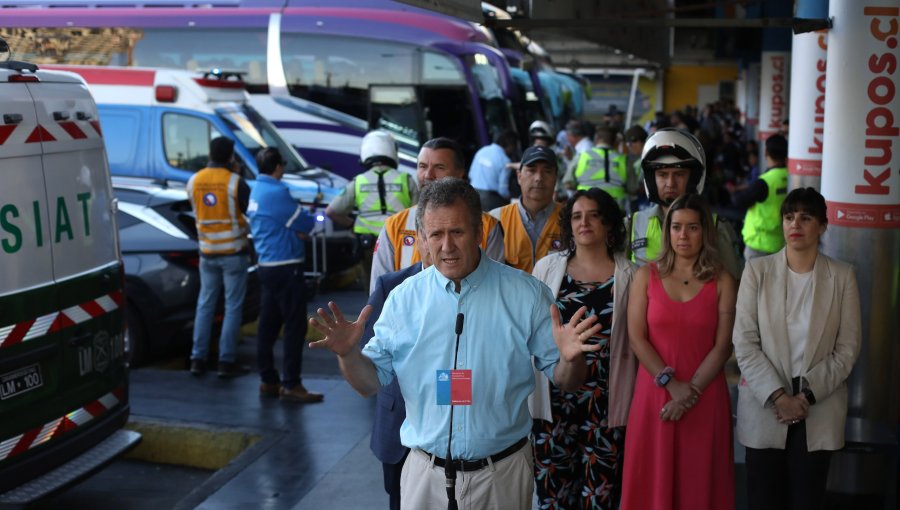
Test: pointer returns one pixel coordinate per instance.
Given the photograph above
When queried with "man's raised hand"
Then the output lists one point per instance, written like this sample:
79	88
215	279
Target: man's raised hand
341	335
570	338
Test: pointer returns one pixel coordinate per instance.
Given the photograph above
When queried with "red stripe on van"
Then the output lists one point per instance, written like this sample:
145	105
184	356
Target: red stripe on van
74	131
25	442
95	408
96	125
100	76
18	333
92	308
5	131
61	322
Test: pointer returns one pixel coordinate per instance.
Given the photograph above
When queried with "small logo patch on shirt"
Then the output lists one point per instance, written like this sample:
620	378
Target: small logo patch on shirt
209	199
409	240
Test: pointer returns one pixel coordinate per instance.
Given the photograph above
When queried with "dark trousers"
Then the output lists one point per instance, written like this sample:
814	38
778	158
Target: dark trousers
392	480
282	302
789	479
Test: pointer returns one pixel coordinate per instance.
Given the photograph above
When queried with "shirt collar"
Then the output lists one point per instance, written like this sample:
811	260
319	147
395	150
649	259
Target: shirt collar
266	177
473	279
543	213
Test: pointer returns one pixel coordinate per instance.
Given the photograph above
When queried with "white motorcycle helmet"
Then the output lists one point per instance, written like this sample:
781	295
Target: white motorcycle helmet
670	147
539	129
378	148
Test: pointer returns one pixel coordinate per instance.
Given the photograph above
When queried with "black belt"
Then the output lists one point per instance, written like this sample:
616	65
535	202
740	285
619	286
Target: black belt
475	465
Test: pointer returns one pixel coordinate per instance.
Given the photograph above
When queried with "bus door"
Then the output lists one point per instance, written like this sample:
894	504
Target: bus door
414	114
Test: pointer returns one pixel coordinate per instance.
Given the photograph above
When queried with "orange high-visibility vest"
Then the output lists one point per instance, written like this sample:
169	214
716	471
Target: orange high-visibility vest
221	226
517	245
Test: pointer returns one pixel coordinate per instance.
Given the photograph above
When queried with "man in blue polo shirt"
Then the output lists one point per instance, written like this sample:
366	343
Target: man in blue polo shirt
279	226
452	334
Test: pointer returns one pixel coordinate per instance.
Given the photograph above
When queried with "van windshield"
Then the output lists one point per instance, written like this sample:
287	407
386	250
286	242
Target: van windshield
256	133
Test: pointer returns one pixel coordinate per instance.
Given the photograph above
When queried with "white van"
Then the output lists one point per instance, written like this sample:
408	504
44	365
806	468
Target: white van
63	377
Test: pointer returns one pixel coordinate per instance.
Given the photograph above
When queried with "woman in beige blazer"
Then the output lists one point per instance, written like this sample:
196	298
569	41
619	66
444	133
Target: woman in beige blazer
796	337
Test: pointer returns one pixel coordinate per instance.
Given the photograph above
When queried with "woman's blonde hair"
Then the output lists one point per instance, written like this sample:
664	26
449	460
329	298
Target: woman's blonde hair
707	265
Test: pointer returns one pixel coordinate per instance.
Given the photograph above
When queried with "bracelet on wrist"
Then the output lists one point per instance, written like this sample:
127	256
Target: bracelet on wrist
778	396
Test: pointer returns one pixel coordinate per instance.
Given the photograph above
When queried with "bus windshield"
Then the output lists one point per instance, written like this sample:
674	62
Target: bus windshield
256	133
337	71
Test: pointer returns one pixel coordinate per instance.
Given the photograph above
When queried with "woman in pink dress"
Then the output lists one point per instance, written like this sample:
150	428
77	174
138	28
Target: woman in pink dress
678	450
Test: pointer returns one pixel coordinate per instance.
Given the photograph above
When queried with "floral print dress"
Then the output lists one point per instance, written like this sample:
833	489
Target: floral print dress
577	457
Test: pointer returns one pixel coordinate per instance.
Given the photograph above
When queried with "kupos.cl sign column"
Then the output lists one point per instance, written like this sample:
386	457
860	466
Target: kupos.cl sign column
774	92
861	185
860	178
807	110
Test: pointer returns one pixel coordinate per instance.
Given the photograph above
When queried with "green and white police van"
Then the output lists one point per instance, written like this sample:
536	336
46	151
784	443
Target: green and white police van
63	376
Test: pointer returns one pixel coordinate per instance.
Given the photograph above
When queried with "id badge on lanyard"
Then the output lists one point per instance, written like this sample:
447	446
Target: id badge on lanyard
454	387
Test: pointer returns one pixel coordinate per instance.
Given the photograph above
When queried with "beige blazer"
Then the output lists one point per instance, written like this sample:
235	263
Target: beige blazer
764	355
622	363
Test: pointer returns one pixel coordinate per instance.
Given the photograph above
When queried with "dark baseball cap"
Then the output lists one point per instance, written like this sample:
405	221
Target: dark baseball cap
538	153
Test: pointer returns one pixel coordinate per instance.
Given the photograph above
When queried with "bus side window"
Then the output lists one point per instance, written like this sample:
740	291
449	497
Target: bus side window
186	140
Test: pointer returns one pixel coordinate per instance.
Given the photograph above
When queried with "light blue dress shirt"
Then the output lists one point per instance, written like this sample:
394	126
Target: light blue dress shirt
489	172
507	321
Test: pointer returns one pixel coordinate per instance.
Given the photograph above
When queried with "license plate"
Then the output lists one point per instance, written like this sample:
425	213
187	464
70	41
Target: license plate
20	381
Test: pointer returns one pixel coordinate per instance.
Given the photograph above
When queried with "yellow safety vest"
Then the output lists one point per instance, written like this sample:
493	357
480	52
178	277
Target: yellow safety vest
762	224
221	226
590	172
373	209
519	251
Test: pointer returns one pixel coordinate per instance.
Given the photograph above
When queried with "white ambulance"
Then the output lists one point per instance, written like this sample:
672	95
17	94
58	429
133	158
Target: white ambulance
63	378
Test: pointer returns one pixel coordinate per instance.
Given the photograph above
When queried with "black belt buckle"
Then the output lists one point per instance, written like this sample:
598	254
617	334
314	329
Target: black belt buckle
476	465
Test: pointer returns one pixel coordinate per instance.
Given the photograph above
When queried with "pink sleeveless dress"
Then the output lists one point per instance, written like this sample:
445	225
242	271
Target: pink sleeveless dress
687	464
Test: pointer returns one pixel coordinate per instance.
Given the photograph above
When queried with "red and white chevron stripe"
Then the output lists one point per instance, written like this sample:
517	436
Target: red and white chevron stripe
59	426
39	326
51	132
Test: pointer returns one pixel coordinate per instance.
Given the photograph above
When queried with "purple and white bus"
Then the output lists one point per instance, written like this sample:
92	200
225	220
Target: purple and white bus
322	75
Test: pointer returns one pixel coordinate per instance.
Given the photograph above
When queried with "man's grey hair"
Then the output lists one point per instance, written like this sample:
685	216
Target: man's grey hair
446	192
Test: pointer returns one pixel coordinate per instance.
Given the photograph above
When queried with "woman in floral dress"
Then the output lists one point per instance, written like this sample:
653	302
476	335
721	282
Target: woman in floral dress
579	436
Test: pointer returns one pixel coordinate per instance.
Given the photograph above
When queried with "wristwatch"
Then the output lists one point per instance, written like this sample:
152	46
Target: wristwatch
664	376
809	395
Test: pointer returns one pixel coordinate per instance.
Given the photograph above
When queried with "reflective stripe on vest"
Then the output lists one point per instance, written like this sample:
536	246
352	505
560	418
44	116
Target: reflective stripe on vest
593	163
762	224
519	251
401	232
373	211
221	227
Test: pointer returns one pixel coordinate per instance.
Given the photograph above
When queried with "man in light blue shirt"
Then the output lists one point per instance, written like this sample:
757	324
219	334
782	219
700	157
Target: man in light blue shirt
490	171
503	328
